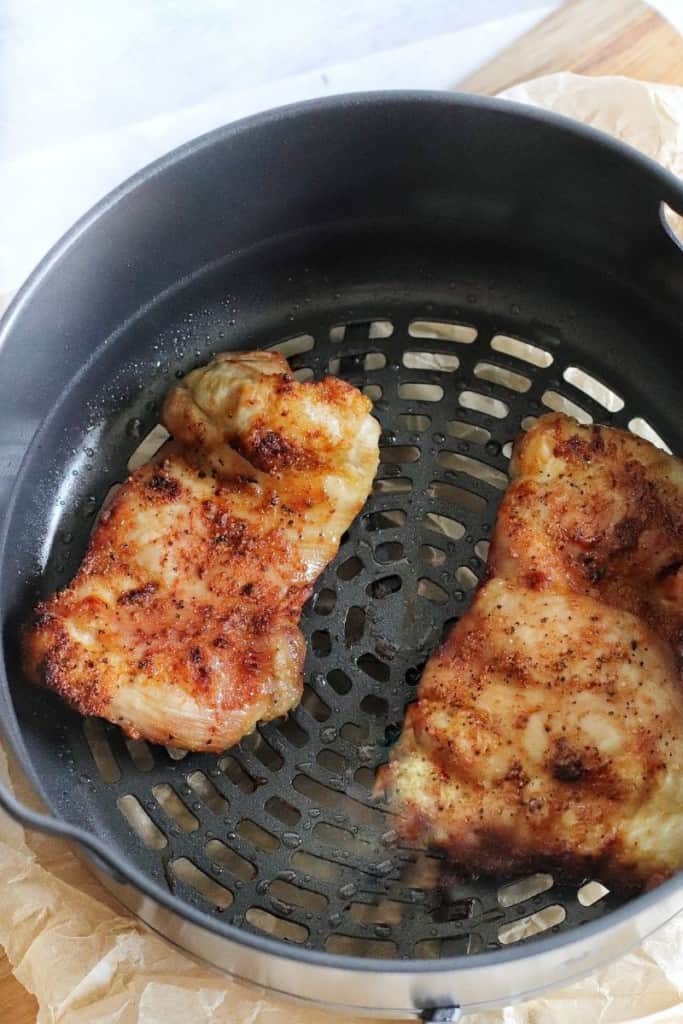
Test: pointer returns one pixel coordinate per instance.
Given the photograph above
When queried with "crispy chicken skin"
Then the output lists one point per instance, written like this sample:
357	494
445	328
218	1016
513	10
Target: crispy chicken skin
181	624
548	730
595	511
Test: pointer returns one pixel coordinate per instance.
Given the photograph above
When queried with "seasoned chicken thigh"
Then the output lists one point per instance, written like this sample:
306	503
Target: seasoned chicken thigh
182	623
596	511
548	730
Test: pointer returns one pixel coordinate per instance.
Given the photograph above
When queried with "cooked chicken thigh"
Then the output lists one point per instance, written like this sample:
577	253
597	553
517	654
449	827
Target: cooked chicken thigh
548	730
595	511
182	623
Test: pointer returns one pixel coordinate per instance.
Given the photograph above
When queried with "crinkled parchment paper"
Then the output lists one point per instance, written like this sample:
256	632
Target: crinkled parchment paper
89	962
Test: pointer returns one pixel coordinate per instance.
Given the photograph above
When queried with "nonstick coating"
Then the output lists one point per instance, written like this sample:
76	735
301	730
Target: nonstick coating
400	241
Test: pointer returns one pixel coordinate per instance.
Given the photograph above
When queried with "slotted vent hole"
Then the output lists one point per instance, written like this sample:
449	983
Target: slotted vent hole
106	504
283	811
325	601
386	912
374	668
389	551
457	496
354	732
558	403
481	549
380	329
140	755
643	429
388	519
141	823
590	893
263	751
462	945
503	377
373	392
374	706
383	587
349	569
431	361
599	392
422	873
365	777
148	447
392	485
397	454
428	949
466	578
431	556
524	889
292	731
376	329
294	895
374	361
420	392
304	374
338	838
175	753
523	350
207	793
339	681
227	858
350	945
354	626
174	807
413	422
210	890
339	802
464	334
431	591
316	707
533	924
321	642
317	867
444	525
458	463
294	346
370	361
98	742
257	836
237	775
468	431
484	404
278	927
331	761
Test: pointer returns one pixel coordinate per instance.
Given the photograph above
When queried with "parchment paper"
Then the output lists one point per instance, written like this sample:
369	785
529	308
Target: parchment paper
89	962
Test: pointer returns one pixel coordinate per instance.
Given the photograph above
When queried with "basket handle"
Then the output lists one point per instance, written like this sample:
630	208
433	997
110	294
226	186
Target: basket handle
51	826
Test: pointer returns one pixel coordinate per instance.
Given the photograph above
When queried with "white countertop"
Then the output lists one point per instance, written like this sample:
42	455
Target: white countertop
90	91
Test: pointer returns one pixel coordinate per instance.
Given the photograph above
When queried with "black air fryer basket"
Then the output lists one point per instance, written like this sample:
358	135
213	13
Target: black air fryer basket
469	264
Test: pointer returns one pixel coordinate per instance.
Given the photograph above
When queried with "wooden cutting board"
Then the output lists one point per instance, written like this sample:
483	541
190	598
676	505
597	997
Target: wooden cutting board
591	37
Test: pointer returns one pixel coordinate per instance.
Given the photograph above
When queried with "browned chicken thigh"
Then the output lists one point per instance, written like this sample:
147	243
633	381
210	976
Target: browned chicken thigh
548	730
182	623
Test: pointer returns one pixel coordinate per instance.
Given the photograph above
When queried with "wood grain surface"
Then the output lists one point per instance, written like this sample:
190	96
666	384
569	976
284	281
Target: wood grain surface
17	1006
591	37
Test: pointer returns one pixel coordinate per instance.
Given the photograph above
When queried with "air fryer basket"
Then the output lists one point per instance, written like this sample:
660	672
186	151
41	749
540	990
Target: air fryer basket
469	265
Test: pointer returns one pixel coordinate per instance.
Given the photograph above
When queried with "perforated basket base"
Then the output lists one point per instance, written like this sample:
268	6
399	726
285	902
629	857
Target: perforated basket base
282	835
